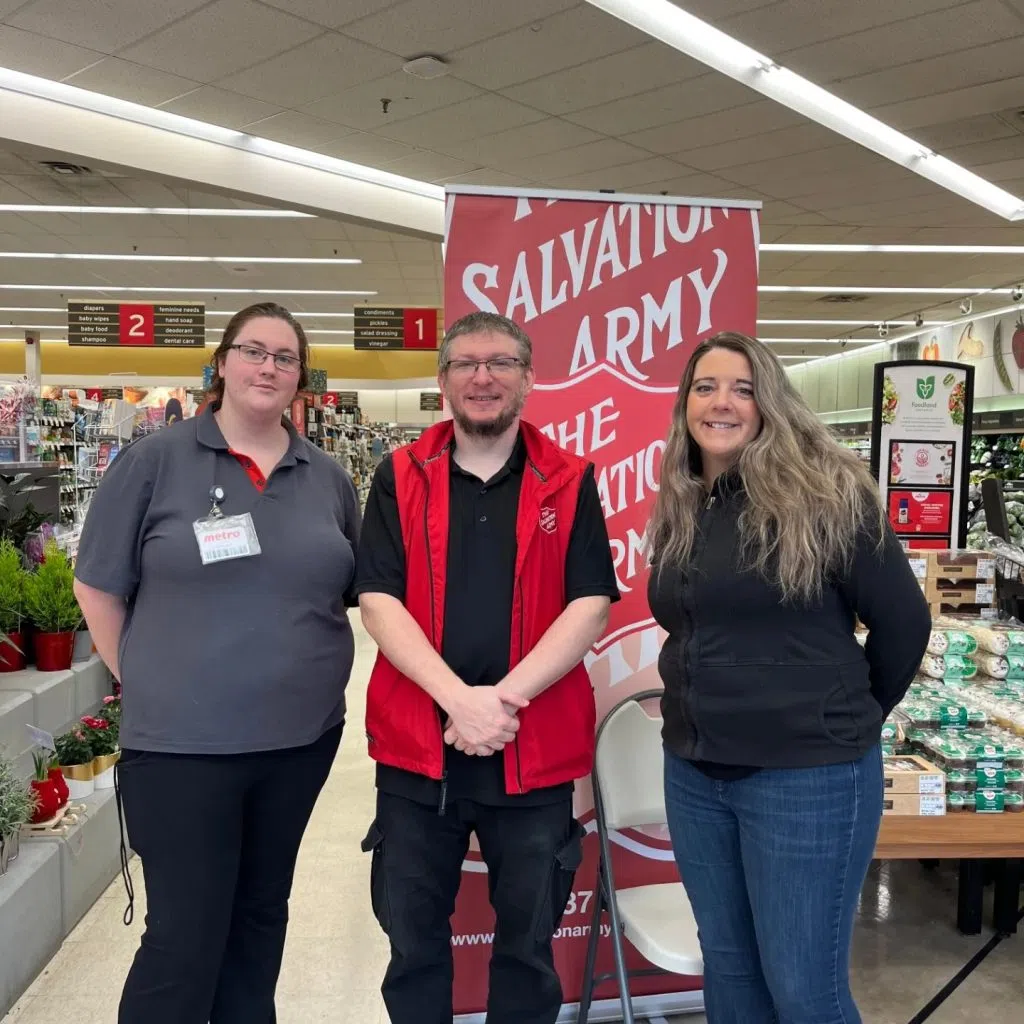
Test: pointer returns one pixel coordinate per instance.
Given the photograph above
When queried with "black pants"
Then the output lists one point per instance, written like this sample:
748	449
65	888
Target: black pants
218	837
531	854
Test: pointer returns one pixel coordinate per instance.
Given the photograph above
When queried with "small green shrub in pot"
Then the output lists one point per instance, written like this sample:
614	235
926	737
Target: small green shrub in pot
51	604
12	608
17	804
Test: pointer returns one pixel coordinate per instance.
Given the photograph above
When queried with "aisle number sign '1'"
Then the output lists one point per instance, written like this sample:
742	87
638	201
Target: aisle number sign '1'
394	327
169	325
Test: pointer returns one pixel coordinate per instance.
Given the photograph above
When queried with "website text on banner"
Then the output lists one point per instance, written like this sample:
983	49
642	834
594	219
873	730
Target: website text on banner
615	294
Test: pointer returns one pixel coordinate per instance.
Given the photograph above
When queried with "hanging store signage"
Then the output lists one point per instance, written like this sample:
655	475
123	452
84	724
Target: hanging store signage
431	401
395	328
920	449
117	324
341	400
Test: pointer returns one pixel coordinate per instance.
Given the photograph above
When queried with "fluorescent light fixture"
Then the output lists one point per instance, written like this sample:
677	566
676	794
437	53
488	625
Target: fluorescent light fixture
959	250
832	289
135	257
663	20
113	289
153	211
842	323
152	117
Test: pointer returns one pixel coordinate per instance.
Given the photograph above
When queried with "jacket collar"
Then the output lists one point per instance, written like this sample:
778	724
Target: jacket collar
209	435
543	456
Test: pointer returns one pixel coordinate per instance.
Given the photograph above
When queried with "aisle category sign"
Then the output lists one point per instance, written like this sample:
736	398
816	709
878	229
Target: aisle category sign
117	324
395	328
920	449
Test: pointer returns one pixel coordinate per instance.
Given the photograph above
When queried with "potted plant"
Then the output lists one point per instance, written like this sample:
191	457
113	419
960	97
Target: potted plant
102	737
52	606
15	810
47	799
83	643
12	608
56	776
74	755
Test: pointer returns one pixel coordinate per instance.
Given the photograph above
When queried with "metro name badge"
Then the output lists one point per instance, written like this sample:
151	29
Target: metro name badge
223	538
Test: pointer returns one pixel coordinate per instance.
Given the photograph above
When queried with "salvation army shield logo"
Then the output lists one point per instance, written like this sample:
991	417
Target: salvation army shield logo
547	519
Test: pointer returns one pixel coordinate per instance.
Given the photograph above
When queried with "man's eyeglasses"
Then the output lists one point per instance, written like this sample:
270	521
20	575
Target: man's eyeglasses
258	356
501	366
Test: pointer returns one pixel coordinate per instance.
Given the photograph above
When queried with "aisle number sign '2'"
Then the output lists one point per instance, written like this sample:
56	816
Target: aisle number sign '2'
394	327
169	325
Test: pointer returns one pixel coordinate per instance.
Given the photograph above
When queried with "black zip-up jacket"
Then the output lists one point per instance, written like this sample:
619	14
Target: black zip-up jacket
750	680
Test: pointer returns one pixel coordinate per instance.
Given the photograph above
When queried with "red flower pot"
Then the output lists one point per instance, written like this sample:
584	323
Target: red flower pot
54	651
56	776
47	800
12	652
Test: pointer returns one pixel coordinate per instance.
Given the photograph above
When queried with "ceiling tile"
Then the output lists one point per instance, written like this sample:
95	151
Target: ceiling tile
628	176
784	26
664	106
609	78
330	13
1004	170
957	103
217	106
106	25
802	138
414	27
115	77
487	113
425	166
530	140
564	40
295	129
361	105
497	179
33	54
983	154
326	65
712	129
694	186
978	66
966	132
416	251
364	148
719	9
195	46
591	157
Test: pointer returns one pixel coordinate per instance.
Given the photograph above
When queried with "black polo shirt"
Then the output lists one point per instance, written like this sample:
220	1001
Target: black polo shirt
476	644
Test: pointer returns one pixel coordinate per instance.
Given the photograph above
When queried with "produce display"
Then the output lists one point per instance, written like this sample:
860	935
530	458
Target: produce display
964	713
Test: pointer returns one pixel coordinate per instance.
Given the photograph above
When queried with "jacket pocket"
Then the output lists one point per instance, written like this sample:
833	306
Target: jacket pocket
750	713
566	862
850	713
374	845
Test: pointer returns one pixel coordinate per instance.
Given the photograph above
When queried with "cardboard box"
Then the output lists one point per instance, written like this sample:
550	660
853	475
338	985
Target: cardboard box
953	565
959	593
912	775
917	805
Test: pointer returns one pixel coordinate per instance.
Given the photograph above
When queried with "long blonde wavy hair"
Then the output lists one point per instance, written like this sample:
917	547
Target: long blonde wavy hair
808	497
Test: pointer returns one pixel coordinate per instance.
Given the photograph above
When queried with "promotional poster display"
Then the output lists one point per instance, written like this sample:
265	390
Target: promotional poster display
920	449
615	293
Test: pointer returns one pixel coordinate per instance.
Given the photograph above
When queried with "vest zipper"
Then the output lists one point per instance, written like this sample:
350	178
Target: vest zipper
519	763
443	798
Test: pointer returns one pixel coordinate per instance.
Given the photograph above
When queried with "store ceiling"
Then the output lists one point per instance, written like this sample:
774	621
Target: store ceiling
541	93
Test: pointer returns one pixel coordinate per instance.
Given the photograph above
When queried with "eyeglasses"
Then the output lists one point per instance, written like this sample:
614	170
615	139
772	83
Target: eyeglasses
501	366
258	356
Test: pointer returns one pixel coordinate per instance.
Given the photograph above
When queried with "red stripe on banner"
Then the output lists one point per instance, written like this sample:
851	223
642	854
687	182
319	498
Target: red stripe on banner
615	295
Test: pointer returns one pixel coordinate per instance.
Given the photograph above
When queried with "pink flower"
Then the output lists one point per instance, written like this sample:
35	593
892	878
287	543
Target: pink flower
109	700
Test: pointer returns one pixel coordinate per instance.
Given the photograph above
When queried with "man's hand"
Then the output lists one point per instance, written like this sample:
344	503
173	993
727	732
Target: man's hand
482	722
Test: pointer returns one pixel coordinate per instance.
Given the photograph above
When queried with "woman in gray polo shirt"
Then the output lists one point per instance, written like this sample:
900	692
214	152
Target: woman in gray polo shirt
214	572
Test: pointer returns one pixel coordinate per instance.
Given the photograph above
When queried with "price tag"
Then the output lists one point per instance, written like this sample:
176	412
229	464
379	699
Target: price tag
986	568
920	567
41	738
986	593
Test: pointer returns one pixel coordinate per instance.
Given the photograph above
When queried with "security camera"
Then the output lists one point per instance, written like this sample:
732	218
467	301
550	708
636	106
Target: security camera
1018	293
919	320
883	330
966	305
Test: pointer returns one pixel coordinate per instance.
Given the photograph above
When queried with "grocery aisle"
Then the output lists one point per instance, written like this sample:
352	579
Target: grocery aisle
906	947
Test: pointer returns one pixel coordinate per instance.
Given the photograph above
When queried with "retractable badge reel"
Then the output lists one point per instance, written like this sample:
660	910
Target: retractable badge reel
222	538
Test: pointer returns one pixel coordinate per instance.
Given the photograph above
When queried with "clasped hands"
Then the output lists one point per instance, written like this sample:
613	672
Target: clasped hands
483	720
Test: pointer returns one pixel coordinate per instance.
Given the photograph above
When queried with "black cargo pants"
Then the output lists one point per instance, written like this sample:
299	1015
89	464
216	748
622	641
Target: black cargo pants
531	854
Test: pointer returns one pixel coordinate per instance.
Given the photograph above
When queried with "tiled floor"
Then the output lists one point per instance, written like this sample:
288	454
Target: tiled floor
906	946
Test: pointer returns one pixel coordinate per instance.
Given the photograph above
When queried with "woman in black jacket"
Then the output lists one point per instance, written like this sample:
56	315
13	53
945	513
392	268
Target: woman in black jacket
768	539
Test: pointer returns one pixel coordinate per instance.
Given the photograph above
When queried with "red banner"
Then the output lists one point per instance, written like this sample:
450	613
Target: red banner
615	294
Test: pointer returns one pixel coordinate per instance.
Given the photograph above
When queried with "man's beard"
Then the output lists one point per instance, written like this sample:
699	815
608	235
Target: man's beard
490	428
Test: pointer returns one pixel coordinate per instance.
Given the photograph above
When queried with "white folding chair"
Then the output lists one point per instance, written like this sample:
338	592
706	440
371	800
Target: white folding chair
629	791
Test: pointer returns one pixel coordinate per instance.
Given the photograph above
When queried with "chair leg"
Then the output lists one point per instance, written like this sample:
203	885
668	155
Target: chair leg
587	992
620	970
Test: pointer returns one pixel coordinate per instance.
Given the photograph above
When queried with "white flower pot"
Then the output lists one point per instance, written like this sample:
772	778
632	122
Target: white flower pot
80	780
103	770
83	646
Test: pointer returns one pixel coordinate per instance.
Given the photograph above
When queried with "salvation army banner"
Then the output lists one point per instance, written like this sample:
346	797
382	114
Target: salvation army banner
615	293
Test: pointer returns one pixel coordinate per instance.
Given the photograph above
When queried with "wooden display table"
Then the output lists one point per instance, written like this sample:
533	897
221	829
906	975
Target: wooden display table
971	839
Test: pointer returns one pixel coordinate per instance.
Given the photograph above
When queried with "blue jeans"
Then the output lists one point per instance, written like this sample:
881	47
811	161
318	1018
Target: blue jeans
773	865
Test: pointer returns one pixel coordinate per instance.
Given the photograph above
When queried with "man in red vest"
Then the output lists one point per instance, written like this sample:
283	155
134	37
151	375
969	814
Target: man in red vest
485	575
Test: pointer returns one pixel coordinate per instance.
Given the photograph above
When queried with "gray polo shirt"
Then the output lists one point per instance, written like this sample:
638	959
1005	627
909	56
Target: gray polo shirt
242	655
